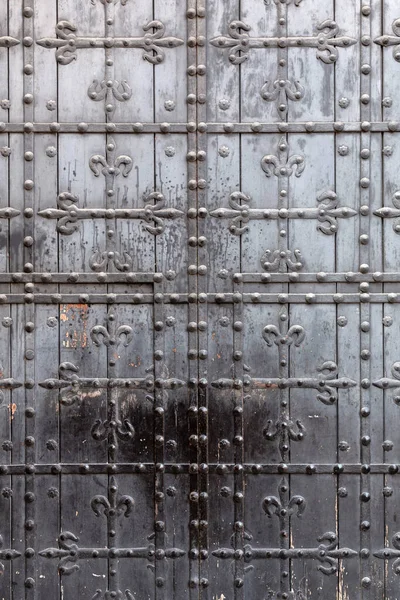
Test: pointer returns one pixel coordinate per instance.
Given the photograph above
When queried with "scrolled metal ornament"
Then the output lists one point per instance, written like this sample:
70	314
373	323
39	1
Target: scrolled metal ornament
387	383
152	42
69	214
112	507
287	2
104	2
239	214
283	164
389	554
272	335
274	260
329	210
389	40
107	90
113	334
101	261
281	506
281	91
387	212
111	164
285	430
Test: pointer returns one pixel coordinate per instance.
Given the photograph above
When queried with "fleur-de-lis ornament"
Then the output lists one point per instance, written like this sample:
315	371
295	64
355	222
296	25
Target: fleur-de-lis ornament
113	334
123	2
284	429
283	164
111	164
113	595
273	260
295	2
295	334
106	90
113	505
110	430
280	506
280	91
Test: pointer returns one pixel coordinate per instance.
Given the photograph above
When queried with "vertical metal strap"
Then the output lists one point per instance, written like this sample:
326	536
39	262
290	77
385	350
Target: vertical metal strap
202	295
192	297
30	533
365	309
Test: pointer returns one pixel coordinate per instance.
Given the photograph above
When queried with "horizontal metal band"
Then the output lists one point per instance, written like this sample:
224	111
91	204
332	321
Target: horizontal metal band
49	278
217	298
142	277
191	127
320	277
212	468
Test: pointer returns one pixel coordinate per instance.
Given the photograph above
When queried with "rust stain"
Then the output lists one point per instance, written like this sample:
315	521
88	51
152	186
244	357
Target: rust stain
137	363
13	409
77	338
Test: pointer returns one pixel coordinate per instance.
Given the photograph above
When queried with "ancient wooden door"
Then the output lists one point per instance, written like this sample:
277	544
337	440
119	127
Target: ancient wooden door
199	281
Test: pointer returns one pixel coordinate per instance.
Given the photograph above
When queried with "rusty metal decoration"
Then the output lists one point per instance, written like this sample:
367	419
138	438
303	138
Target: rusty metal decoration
199	303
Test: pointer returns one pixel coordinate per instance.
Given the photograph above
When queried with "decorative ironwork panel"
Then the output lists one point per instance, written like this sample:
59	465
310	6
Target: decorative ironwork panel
199	291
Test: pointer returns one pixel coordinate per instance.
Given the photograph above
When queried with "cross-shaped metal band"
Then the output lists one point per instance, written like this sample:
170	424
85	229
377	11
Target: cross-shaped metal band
327	554
72	390
71	385
112	507
68	214
327	42
67	43
240	42
152	42
326	384
283	166
326	213
285	429
284	507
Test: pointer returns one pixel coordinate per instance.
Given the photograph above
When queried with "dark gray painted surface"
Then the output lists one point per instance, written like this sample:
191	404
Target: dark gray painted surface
199	281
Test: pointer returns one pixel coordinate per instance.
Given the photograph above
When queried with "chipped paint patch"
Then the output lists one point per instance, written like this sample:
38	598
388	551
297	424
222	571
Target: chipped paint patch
77	316
94	394
13	409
